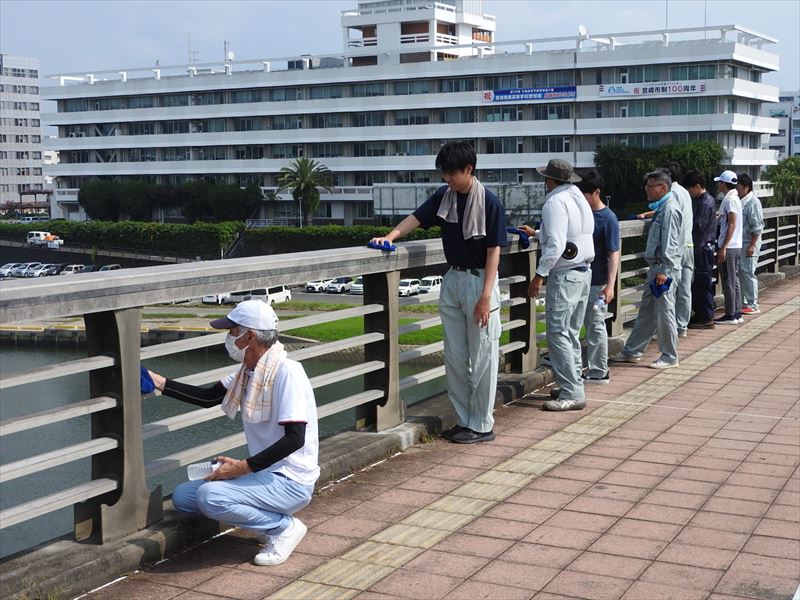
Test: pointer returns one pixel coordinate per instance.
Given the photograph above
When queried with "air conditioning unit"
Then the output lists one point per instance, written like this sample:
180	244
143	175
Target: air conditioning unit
81	134
71	134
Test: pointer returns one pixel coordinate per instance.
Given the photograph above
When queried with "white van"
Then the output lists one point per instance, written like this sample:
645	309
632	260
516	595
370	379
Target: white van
37	238
432	283
33	219
273	295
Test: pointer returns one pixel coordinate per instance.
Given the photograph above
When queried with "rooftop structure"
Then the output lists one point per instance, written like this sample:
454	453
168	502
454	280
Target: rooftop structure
786	142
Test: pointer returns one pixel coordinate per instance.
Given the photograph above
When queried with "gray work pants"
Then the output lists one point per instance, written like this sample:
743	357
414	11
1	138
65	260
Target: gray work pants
683	293
594	321
656	315
565	306
471	352
748	280
729	271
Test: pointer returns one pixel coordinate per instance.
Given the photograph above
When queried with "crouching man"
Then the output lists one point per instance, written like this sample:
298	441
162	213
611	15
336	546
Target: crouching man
279	416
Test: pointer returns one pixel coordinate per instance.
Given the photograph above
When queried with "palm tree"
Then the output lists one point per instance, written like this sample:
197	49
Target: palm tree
303	178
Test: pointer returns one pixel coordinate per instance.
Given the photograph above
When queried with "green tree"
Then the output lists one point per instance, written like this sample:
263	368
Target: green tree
785	178
100	200
303	178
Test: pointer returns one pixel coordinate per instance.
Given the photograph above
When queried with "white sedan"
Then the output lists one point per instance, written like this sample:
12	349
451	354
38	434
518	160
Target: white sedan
319	285
409	287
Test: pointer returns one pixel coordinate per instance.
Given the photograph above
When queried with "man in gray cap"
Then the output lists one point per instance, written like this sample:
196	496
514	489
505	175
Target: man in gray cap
567	253
279	417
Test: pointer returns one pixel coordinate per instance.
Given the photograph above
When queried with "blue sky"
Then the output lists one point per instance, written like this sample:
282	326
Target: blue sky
82	36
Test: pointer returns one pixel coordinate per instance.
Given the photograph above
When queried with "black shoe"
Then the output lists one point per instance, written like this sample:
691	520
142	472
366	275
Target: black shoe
448	434
701	324
472	437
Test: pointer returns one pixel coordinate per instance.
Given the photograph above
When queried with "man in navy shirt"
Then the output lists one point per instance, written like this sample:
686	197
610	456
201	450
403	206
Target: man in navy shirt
473	226
704	235
604	276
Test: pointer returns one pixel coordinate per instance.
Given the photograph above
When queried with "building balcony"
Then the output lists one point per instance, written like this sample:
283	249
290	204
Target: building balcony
363	42
750	156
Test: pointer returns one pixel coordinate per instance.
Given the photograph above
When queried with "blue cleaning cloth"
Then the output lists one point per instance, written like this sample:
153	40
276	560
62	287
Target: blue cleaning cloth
524	239
145	381
660	289
386	246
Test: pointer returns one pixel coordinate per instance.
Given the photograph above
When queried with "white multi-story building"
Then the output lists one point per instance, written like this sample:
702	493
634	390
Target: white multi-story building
786	142
412	75
20	129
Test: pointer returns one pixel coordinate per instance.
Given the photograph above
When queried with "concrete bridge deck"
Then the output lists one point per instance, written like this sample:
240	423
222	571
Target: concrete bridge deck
676	484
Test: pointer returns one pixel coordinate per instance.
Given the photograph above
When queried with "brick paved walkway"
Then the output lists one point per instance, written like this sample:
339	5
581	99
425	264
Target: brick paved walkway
676	484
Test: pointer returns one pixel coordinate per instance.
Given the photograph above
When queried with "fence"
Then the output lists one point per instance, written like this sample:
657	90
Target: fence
116	501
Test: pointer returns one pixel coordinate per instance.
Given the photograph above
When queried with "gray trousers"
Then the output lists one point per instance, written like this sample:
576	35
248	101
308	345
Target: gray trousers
565	306
683	293
656	315
748	280
729	271
471	352
594	321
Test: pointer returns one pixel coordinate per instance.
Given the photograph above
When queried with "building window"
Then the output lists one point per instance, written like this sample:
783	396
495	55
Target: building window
141	128
365	178
238	97
460	84
282	122
369	119
553	143
692	72
549	112
504	146
644	73
503	82
322	92
414	177
327	150
503	113
552	78
171	154
411	117
368	90
369	149
141	101
418	86
457	115
175	100
643	108
327	121
412	148
694	106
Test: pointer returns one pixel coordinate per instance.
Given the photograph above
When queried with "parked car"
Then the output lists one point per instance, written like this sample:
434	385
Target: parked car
113	267
358	286
318	285
7	269
71	269
89	269
19	270
217	299
432	283
29	219
409	287
54	242
59	267
236	297
41	271
340	285
279	293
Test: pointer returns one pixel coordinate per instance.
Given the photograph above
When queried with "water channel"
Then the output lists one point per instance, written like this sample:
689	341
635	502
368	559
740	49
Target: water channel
58	392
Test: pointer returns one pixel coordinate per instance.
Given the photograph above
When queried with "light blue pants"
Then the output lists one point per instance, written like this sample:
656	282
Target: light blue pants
656	315
748	280
683	293
566	296
471	352
261	502
596	335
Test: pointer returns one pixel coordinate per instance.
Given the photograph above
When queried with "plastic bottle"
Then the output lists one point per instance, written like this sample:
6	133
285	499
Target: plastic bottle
600	303
201	470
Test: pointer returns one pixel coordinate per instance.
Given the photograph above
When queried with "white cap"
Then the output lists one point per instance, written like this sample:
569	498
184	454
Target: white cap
727	177
252	314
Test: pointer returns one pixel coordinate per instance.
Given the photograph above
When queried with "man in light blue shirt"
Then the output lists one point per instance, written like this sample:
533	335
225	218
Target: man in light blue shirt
567	251
683	291
663	253
752	227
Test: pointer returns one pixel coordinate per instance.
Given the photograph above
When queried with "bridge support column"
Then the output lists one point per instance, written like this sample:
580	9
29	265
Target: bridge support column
524	263
381	288
131	507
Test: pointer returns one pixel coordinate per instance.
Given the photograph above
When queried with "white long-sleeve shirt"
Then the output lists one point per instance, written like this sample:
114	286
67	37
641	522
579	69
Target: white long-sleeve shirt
566	217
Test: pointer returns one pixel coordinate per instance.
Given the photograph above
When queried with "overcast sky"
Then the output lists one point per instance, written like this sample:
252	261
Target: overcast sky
83	36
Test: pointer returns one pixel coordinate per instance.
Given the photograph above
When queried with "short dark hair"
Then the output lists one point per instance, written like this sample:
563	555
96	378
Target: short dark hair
660	176
745	180
693	178
456	156
675	170
590	181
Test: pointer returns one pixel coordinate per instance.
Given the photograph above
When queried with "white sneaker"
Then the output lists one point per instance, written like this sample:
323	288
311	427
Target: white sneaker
559	405
682	333
279	547
662	364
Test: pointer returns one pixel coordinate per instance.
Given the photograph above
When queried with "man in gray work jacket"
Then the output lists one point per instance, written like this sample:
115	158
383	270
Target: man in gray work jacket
664	251
567	253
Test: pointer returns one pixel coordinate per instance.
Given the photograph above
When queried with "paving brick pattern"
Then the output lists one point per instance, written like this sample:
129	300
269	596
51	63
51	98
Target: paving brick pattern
677	484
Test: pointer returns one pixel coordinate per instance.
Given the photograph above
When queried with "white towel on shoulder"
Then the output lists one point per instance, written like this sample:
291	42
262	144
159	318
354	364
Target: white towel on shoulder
474	224
253	394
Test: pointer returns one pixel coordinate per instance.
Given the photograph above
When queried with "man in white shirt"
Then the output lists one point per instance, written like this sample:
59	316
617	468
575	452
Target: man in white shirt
279	416
567	253
729	248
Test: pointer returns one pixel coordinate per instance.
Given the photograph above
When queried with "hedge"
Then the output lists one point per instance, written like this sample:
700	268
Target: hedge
277	240
200	239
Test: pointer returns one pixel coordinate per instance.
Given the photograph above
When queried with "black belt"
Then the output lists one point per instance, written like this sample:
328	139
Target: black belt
471	270
582	269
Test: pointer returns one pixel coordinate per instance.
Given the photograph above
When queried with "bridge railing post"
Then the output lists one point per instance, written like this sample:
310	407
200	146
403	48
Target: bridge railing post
524	263
382	288
131	507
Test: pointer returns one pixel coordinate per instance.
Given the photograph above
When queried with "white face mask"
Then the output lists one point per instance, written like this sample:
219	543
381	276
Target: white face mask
234	351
